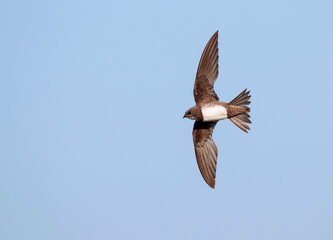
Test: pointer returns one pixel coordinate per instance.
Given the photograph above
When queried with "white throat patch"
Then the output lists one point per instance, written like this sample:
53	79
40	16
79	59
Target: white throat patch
214	113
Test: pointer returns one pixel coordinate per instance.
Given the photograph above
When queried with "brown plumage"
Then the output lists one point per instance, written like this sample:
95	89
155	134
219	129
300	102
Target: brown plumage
209	110
207	73
205	150
238	112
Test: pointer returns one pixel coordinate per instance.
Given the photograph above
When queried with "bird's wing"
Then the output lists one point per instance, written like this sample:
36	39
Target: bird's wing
207	73
205	150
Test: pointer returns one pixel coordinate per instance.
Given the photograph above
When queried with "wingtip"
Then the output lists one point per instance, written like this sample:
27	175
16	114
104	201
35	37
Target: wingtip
211	184
215	35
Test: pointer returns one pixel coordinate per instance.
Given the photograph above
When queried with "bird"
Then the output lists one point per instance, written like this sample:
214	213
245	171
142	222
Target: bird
209	110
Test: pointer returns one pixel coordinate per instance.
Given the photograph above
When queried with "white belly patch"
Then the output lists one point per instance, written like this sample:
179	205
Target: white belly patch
214	113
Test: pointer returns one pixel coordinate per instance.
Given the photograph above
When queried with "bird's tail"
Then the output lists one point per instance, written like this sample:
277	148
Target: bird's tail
238	110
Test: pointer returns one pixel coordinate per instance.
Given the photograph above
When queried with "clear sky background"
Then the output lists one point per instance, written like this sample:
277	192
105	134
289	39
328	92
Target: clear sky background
92	140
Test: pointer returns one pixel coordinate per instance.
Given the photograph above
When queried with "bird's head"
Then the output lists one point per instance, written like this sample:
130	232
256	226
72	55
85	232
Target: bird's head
194	113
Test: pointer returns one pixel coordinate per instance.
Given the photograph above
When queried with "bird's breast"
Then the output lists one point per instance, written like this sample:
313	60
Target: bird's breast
214	113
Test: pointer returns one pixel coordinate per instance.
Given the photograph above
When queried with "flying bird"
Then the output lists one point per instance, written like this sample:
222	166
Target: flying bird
209	110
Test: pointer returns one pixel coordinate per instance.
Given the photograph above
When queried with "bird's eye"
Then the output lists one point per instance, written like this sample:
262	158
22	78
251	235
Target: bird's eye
189	112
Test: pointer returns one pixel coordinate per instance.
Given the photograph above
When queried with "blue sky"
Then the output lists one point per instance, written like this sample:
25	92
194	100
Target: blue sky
92	140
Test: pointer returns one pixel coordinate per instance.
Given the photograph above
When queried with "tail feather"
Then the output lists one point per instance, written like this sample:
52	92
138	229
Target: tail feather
242	99
244	117
240	120
239	123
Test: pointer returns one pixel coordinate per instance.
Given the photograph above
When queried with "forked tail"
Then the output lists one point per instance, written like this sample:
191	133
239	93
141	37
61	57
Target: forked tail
238	110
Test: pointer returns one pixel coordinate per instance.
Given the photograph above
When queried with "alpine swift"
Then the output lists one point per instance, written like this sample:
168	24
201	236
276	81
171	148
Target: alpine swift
209	110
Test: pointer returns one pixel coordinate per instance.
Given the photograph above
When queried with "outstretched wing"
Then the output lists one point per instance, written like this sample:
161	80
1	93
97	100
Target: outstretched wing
205	150
207	73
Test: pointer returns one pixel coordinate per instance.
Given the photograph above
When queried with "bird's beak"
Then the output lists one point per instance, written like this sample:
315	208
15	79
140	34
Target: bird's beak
184	115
